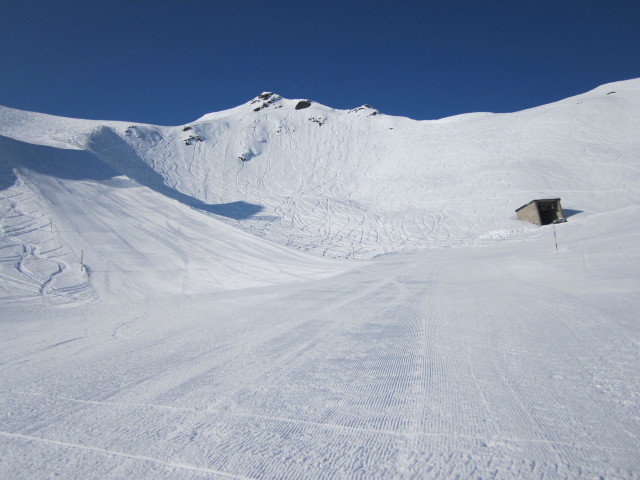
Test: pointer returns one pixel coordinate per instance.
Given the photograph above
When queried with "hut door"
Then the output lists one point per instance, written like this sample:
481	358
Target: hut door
547	213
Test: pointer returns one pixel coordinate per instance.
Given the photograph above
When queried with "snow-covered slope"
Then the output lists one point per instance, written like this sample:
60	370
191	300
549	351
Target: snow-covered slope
327	180
221	329
71	225
335	183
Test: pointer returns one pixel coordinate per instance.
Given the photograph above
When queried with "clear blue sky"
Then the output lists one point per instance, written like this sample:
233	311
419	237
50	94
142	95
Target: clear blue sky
169	62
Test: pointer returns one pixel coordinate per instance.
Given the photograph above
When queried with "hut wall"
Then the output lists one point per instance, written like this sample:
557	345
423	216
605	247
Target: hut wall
529	213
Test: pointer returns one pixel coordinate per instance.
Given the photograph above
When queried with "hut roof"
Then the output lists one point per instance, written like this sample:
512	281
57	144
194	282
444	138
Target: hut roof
538	200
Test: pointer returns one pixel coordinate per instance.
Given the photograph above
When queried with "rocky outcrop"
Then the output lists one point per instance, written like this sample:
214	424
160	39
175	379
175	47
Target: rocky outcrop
302	104
264	100
365	110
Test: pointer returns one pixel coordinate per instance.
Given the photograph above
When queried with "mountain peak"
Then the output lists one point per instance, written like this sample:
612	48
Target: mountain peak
264	100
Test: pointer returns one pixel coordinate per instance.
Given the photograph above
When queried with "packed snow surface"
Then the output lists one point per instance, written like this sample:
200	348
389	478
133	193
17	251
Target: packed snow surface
285	290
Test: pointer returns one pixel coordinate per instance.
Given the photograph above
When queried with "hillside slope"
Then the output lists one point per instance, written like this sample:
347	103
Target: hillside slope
202	345
331	181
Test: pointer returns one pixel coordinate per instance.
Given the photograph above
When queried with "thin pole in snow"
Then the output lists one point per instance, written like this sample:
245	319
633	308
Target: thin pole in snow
185	285
555	237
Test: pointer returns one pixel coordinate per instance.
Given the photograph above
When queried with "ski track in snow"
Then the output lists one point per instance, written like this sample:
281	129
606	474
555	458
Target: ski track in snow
39	269
384	358
198	339
377	373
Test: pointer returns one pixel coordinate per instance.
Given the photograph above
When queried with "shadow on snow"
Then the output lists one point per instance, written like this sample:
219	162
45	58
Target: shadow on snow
109	156
570	213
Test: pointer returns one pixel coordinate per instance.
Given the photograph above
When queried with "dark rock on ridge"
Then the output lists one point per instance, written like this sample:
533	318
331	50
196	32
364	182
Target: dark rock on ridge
266	99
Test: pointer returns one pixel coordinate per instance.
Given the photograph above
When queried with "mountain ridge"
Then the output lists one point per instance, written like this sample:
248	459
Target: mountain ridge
343	183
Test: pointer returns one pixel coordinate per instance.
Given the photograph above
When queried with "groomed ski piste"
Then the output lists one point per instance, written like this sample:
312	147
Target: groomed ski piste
284	290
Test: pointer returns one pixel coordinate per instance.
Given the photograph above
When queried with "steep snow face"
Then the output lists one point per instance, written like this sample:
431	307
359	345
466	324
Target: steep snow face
74	228
343	183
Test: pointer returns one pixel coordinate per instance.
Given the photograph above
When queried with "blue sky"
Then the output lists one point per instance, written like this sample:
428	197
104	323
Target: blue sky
169	62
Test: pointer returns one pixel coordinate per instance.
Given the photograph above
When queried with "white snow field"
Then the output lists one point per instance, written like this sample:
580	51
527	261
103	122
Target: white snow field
278	292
